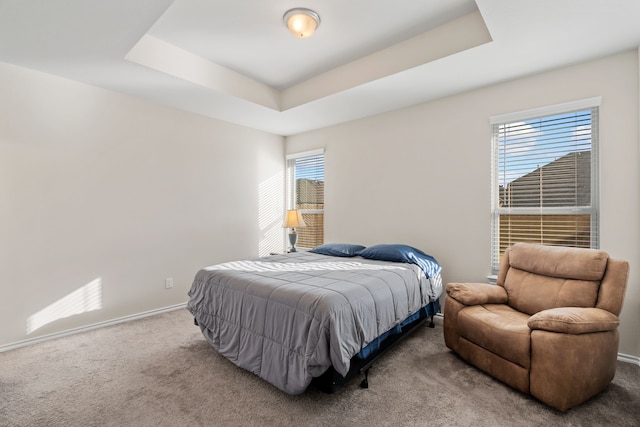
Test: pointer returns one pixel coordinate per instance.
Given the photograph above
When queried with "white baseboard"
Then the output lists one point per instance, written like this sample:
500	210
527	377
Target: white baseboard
629	359
80	329
621	357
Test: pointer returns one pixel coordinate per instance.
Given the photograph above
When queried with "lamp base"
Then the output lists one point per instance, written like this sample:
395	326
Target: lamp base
293	237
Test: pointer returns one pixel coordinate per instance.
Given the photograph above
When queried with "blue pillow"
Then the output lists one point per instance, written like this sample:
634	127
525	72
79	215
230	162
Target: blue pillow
403	253
337	249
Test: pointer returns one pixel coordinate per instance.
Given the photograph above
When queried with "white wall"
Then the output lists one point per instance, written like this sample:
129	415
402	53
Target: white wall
100	188
98	185
421	175
637	238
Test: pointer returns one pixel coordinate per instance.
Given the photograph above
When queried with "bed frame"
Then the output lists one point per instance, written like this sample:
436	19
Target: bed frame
331	380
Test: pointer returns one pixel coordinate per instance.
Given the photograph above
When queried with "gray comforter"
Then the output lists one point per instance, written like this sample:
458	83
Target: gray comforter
287	318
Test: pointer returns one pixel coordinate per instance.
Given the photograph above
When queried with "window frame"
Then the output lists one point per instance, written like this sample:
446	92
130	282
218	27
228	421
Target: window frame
291	189
593	210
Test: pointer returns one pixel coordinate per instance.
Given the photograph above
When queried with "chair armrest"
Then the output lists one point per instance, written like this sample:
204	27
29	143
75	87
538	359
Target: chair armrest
574	320
477	293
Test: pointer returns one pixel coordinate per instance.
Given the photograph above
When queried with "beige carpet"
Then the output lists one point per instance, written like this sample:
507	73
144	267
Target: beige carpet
159	371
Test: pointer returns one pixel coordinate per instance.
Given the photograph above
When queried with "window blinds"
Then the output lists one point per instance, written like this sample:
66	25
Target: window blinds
544	181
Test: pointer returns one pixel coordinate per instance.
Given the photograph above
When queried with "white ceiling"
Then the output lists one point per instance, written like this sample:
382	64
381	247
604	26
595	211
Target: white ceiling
236	61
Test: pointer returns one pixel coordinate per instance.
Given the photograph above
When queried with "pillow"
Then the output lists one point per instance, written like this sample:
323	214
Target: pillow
337	249
403	253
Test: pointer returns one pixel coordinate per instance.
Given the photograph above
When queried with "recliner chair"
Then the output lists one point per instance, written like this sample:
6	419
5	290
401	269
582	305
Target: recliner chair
548	328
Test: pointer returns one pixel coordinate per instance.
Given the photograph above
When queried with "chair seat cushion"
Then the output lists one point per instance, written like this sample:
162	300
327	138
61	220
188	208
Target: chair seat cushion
499	329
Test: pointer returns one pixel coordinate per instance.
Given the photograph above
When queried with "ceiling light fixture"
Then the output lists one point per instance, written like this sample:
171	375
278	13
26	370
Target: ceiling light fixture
301	22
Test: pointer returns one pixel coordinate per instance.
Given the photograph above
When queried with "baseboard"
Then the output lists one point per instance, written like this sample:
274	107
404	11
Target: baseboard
635	360
80	329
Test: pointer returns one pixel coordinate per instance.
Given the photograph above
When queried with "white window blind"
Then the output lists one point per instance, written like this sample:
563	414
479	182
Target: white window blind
544	186
305	182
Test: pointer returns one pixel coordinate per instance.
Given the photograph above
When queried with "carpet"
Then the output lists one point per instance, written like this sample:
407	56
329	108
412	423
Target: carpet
159	371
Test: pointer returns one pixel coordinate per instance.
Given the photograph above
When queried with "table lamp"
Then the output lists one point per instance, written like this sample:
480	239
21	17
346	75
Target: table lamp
293	219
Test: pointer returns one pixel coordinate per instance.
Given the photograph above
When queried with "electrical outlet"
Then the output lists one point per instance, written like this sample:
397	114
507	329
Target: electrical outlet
168	283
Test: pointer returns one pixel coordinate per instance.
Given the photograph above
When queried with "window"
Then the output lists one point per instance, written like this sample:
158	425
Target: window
305	192
544	187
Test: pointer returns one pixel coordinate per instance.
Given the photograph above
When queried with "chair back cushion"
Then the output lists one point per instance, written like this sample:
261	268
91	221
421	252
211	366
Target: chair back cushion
543	277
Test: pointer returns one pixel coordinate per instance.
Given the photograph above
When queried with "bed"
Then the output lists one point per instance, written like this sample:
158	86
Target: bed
294	317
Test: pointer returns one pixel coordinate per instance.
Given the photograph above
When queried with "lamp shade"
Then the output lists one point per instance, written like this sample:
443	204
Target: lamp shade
301	22
293	219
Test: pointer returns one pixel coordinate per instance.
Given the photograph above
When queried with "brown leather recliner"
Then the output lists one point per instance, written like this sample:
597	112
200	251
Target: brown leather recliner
548	328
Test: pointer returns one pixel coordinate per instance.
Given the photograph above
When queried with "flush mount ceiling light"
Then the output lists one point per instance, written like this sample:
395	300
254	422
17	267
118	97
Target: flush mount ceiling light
301	22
